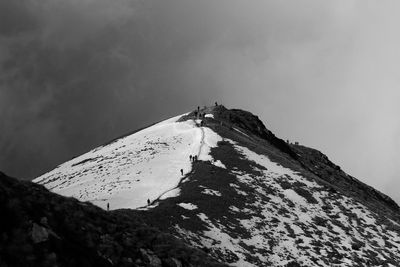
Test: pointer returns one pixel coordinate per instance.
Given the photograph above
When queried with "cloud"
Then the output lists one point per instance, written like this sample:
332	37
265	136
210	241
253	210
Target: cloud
77	73
74	74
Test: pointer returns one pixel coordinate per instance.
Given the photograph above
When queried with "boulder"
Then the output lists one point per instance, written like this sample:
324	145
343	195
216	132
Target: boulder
39	233
149	258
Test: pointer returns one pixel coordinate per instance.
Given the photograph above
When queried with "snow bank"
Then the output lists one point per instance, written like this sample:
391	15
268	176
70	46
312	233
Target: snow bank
210	140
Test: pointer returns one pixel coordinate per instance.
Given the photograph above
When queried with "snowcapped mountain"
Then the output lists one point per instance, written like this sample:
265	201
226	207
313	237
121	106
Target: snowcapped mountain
250	199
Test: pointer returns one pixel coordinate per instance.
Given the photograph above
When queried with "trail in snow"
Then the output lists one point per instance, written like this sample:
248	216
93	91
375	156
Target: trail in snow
184	177
129	171
201	142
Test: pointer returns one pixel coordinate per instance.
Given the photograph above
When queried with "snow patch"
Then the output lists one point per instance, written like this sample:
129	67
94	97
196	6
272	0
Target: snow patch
294	197
218	163
188	206
211	192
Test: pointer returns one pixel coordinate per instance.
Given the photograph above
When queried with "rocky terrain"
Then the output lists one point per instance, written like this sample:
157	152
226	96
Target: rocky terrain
40	228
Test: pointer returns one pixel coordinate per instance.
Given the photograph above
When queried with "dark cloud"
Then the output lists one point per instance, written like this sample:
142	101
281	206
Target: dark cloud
74	74
15	18
77	73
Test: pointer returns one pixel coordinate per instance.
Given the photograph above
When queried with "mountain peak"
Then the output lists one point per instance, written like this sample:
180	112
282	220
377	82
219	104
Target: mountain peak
220	180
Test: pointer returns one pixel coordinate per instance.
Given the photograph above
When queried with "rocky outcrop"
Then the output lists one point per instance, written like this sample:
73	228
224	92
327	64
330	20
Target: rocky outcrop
40	228
39	233
149	258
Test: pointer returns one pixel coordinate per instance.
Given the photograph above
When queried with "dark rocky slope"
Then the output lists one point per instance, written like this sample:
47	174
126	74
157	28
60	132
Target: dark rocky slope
40	228
320	165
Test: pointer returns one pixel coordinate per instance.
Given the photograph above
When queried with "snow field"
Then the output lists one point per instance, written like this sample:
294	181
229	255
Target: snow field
129	171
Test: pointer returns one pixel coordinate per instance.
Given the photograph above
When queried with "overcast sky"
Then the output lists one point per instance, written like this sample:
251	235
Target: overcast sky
77	73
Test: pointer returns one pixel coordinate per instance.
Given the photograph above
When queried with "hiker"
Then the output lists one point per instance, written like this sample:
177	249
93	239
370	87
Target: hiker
190	157
198	108
182	171
108	206
216	104
148	201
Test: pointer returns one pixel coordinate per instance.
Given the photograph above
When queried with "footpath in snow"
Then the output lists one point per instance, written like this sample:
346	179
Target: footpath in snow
143	166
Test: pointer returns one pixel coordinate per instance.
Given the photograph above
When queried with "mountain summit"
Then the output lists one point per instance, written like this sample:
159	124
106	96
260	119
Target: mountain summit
220	180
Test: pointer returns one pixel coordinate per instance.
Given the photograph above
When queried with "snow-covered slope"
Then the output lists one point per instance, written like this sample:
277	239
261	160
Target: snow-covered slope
131	170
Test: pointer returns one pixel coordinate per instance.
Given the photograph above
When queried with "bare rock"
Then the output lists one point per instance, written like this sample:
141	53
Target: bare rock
39	233
150	259
172	262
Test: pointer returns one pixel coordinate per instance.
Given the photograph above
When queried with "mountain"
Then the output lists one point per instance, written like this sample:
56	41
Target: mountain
40	228
250	199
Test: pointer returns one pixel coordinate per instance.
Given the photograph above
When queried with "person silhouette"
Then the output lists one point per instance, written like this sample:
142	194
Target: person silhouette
148	201
182	171
108	206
